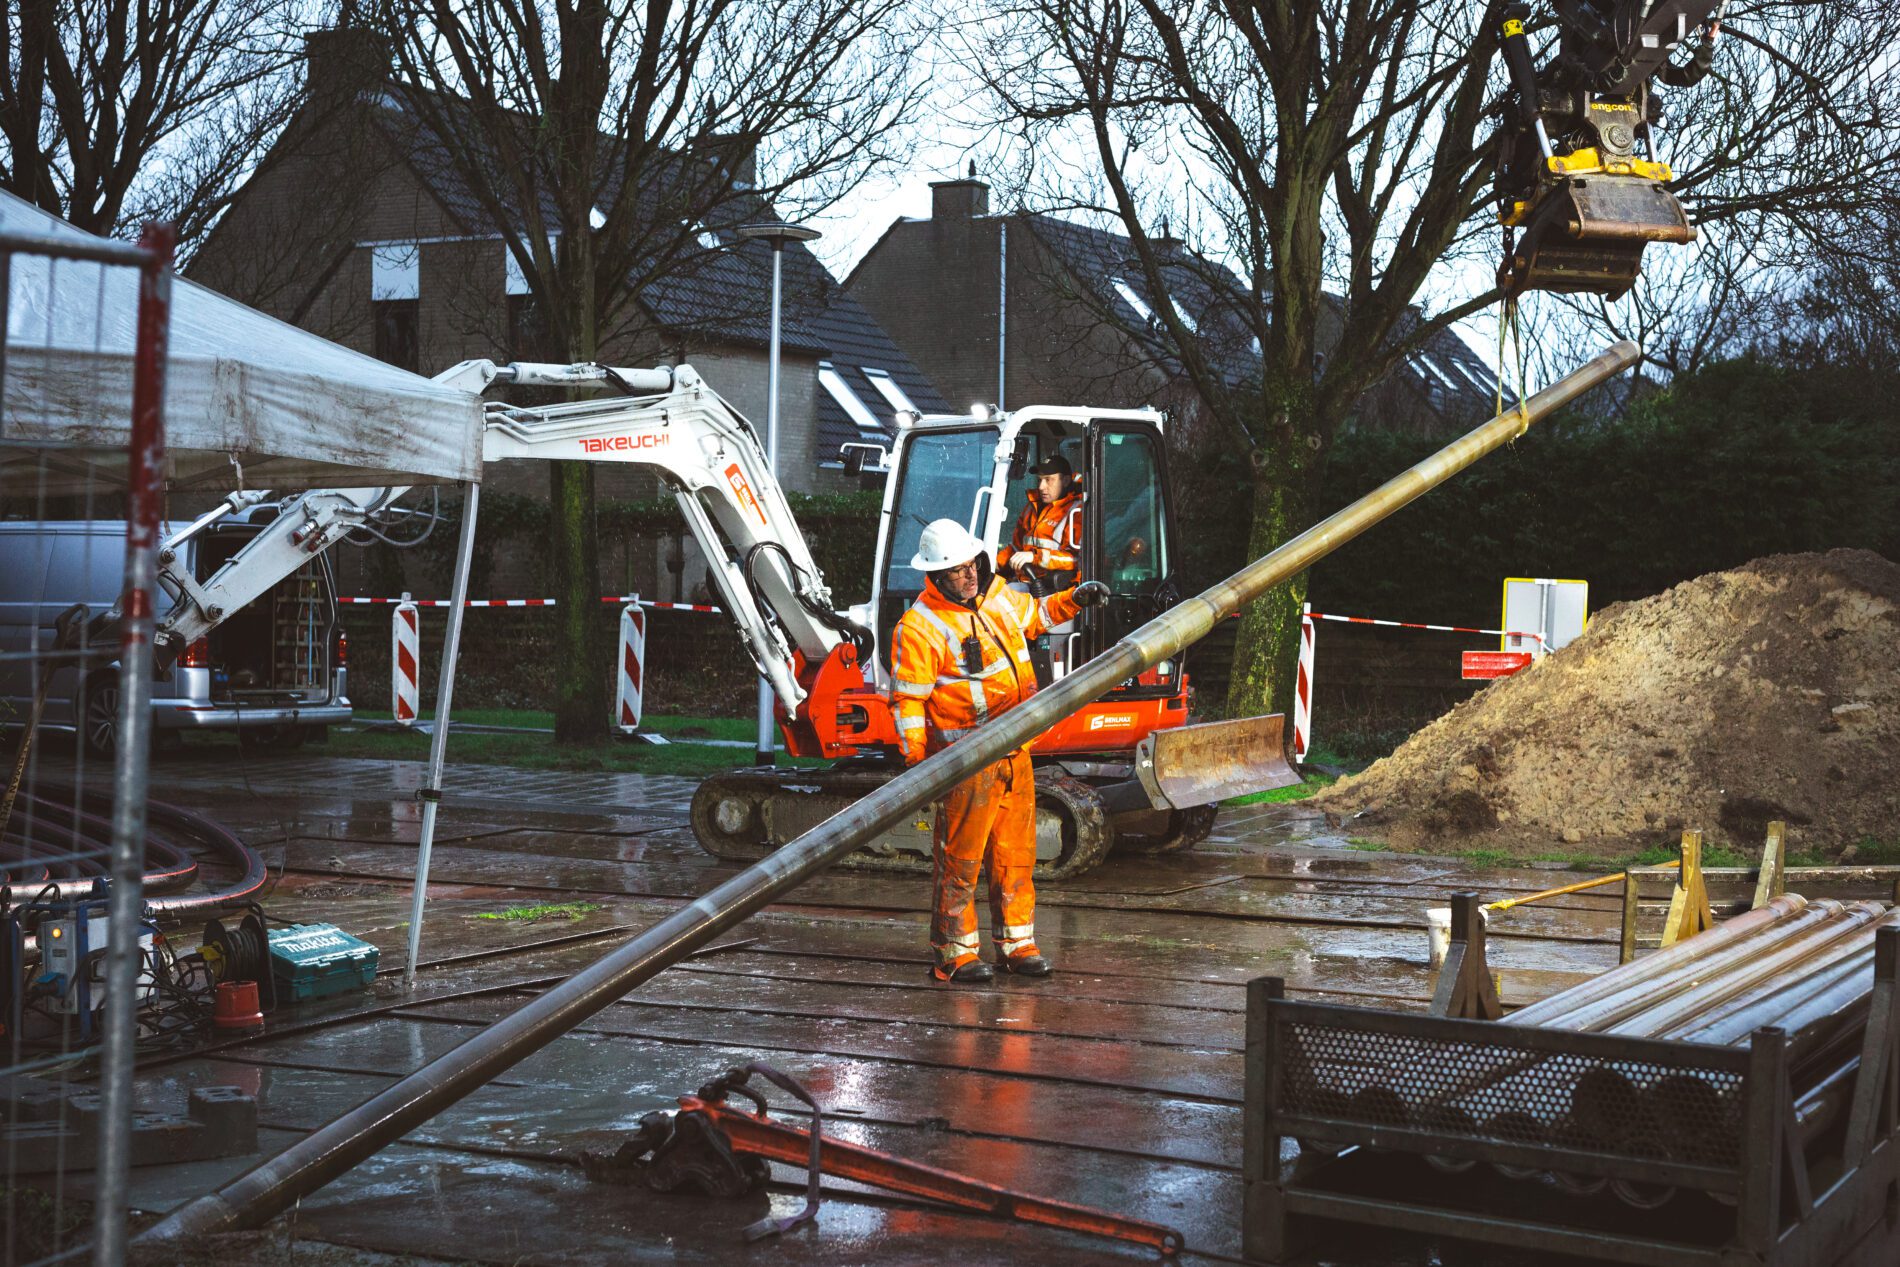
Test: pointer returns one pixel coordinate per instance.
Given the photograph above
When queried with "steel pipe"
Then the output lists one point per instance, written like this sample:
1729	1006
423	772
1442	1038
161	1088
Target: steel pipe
1650	967
320	1157
1812	1009
1657	1016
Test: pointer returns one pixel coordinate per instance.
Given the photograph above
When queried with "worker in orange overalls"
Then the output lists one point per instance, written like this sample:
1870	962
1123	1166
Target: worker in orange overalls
960	656
1047	544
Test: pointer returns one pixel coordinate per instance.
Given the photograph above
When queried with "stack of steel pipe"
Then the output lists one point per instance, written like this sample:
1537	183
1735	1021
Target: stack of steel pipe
1806	968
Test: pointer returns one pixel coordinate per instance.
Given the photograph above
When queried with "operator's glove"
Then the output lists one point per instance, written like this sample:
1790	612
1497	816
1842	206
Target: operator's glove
1089	593
1021	559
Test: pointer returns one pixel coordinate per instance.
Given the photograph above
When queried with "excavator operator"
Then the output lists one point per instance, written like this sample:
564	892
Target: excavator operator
960	656
1046	548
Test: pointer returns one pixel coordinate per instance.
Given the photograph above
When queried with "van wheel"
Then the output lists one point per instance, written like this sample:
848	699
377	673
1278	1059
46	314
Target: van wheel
272	738
99	721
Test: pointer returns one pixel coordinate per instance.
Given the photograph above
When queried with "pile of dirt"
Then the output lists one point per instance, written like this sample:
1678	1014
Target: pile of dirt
1770	691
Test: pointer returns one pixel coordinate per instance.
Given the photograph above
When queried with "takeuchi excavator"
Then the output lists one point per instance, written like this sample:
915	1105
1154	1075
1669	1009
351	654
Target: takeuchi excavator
1128	771
1580	189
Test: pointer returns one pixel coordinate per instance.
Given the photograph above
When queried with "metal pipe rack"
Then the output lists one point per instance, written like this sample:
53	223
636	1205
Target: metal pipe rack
1776	1149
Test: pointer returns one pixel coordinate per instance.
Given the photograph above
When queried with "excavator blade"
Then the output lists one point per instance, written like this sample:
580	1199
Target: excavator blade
1586	236
1205	764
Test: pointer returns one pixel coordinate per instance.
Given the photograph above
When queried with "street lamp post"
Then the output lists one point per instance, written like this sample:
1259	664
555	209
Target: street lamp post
778	234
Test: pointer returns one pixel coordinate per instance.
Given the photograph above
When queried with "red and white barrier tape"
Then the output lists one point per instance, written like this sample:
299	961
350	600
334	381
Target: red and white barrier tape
1406	624
1303	684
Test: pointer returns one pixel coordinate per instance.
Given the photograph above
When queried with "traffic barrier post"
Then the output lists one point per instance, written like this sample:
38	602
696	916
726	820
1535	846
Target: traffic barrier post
633	651
405	660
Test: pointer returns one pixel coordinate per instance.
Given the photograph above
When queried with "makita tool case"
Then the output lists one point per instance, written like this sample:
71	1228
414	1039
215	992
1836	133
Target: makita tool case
314	961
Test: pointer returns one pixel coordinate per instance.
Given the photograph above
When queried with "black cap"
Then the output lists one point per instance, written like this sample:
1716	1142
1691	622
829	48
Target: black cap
1054	464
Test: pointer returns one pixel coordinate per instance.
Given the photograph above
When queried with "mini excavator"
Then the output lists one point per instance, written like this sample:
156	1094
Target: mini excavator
1580	190
1127	772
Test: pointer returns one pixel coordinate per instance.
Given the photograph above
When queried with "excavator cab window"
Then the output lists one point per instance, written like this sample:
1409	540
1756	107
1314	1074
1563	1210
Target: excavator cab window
1126	535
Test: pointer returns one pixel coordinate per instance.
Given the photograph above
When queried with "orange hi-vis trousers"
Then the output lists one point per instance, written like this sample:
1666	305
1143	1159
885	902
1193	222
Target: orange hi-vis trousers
993	813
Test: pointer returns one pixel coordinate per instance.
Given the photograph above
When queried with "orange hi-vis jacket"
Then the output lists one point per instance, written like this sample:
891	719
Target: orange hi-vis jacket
1052	533
938	697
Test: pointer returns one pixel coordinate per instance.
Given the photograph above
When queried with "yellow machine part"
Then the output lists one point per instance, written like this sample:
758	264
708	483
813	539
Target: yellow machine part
1585	234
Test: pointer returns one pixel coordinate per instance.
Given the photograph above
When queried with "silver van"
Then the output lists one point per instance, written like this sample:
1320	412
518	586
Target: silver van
274	670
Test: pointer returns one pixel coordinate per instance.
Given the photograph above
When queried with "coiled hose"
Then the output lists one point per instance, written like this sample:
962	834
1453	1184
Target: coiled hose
60	844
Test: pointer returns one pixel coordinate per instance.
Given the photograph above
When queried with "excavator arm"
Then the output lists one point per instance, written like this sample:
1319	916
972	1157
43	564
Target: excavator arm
667	419
306	525
712	461
1579	187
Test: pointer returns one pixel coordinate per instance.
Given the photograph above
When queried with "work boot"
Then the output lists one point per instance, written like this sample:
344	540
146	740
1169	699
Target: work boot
972	972
1028	966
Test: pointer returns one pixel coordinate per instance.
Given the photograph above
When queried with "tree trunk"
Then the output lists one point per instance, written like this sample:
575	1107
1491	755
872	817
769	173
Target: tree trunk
1266	650
580	699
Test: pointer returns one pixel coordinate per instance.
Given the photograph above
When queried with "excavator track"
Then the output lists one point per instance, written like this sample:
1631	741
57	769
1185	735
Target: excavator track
743	815
1185	829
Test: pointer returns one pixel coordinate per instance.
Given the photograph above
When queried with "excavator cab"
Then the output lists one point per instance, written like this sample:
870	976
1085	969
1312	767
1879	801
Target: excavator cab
1580	190
979	472
1126	772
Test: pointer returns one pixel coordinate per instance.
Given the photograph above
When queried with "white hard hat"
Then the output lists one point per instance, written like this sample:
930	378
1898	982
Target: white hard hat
945	543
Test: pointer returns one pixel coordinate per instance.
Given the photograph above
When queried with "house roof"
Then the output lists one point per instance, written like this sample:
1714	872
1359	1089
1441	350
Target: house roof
723	290
1452	378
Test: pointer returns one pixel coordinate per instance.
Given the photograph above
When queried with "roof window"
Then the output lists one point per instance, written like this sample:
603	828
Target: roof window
840	391
887	387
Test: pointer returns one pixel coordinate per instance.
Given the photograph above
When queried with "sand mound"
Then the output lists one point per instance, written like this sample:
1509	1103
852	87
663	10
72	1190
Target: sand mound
1771	691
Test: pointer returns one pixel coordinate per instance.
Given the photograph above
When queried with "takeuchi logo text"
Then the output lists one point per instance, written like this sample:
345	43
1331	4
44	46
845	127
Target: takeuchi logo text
605	444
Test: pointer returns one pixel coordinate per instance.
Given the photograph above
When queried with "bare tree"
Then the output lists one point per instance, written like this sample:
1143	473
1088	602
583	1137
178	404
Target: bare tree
610	143
1335	155
1302	149
113	112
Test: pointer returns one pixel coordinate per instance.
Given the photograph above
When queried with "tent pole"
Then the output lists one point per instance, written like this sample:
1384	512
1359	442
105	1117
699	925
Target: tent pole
431	793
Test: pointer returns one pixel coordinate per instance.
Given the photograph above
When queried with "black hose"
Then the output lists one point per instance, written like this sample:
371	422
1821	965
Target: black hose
73	854
837	622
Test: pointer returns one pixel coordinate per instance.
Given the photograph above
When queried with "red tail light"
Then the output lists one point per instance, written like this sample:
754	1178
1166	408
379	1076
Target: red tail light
342	648
197	655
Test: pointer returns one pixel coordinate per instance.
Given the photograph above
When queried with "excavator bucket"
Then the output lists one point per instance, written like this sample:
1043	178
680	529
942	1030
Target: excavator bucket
1587	235
1205	764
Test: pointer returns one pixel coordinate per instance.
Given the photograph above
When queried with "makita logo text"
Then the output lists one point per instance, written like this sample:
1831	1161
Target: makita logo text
1113	721
652	440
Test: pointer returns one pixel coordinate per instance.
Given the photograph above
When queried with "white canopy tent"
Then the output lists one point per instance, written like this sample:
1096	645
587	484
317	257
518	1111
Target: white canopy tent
292	409
248	401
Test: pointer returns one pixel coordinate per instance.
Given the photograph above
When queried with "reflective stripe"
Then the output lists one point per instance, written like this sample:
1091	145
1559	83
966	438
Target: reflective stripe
943	627
1047	543
989	670
1042	609
1019	932
916	689
910	723
1011	949
979	702
954	732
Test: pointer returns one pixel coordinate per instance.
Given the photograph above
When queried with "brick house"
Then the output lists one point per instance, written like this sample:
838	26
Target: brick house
358	226
1020	307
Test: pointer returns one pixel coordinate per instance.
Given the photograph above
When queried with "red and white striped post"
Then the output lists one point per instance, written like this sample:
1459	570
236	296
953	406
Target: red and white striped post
1303	687
405	661
633	653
